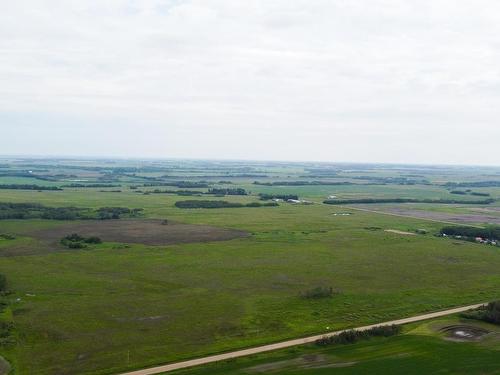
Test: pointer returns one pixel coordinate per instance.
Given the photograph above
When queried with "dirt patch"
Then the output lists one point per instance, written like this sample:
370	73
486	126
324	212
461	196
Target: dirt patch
4	366
148	232
399	232
461	332
305	361
458	218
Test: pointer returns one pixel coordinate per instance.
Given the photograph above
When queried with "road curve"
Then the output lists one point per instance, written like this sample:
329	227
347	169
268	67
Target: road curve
289	343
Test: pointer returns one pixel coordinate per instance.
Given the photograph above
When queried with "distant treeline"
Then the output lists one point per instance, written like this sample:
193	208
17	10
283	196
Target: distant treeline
38	211
214	191
352	336
475	184
227	191
28	187
491	232
220	204
177	192
301	183
25	174
285	197
179	184
406	200
91	185
465	192
393	180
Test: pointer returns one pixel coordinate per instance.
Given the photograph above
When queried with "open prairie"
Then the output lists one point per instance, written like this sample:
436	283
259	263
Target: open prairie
173	283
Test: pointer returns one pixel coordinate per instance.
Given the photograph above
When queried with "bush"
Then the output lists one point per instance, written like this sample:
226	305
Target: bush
351	336
75	241
92	240
490	313
3	283
318	292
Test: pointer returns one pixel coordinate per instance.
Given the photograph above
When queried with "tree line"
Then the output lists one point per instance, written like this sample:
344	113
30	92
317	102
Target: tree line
285	197
38	211
28	187
491	232
406	200
351	336
489	313
220	204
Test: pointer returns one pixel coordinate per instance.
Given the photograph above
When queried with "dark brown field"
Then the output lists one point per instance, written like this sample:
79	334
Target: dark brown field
148	232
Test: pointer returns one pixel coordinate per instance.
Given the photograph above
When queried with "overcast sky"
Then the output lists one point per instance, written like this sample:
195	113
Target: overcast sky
415	81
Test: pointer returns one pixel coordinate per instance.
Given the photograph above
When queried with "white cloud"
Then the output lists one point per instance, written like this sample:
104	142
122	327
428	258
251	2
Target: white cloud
412	81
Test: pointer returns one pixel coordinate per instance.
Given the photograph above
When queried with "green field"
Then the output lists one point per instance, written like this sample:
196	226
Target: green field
420	350
114	307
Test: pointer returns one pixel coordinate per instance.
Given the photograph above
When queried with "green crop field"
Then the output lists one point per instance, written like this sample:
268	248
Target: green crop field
120	305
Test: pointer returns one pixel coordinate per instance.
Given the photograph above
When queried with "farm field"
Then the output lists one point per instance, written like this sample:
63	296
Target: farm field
170	283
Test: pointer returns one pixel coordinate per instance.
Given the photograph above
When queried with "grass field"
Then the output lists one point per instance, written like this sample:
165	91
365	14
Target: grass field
422	349
123	305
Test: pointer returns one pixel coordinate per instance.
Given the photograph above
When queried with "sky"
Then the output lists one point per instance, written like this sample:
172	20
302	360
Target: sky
406	81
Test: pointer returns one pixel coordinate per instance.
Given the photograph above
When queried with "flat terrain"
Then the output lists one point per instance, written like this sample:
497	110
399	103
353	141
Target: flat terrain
220	280
482	215
148	232
423	348
452	333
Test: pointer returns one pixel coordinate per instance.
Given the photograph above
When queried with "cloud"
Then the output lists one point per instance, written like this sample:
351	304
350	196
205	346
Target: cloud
322	80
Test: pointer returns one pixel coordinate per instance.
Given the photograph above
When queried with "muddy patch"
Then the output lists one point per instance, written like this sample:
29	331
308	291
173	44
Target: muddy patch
462	332
148	232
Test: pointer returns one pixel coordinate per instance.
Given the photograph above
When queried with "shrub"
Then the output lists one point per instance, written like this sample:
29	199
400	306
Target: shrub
318	292
92	240
75	241
490	313
351	336
3	283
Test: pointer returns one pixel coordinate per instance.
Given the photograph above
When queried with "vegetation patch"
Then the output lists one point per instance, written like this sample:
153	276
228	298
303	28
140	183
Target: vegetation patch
489	313
220	204
75	241
352	336
406	200
284	197
489	234
91	185
39	211
28	187
319	292
302	183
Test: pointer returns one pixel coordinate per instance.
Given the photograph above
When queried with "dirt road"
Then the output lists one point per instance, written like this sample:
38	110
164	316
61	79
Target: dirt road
286	344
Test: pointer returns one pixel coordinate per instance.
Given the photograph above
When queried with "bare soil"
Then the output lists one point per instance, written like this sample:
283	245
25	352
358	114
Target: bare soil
148	232
444	216
464	332
399	232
